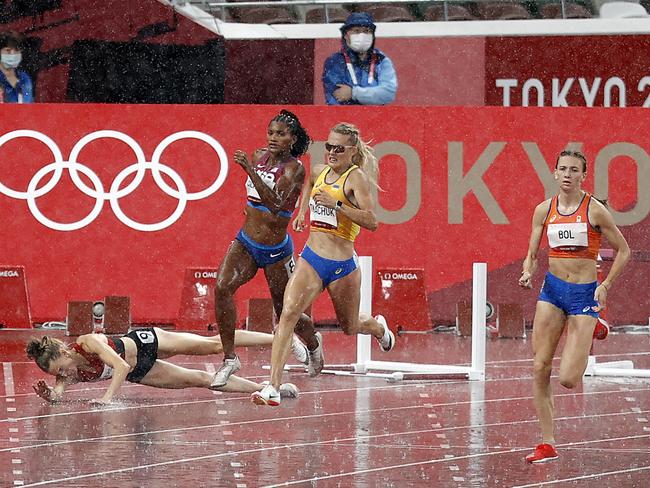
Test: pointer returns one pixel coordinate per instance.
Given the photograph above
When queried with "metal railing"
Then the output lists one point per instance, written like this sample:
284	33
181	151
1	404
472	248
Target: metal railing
211	6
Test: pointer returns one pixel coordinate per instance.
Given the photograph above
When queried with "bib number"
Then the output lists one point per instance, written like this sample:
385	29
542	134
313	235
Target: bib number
325	216
146	336
569	235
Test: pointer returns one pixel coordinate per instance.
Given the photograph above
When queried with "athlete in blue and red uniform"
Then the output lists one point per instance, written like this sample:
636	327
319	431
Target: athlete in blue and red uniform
275	179
137	357
571	297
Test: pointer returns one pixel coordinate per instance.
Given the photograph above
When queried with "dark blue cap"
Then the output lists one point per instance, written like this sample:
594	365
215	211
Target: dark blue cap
358	19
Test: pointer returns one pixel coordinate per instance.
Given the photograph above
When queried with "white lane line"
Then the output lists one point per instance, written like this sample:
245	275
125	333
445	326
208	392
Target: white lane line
434	461
586	477
9	379
352	439
323	415
317	392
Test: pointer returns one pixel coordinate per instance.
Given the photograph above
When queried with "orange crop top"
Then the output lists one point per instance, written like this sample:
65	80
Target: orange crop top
572	236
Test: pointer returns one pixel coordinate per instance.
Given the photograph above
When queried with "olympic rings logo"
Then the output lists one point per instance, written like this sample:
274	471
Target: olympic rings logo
115	193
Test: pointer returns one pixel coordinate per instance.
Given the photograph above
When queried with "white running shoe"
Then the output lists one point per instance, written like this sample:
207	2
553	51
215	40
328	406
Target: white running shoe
228	368
316	358
387	342
289	390
267	396
299	350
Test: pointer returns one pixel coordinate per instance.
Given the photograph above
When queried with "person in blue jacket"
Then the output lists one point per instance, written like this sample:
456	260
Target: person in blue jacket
16	85
359	74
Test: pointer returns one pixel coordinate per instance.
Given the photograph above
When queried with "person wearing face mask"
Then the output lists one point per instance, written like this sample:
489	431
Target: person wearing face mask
16	84
359	74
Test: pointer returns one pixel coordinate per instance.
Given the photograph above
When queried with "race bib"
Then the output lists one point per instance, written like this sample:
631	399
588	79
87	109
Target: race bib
251	191
567	235
322	216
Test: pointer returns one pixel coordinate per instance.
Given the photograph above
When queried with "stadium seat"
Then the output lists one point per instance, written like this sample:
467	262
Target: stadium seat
502	11
454	12
622	10
388	13
317	15
266	15
572	11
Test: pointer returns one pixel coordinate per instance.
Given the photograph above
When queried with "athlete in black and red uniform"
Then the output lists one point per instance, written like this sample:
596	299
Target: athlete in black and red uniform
136	357
275	179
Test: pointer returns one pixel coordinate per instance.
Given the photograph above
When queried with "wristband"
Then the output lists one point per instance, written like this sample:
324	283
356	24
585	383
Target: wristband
338	205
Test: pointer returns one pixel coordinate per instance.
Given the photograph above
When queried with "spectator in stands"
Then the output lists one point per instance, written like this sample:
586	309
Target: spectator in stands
16	84
359	74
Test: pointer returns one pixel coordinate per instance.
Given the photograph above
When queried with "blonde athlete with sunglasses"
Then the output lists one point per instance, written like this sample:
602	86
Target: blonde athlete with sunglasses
340	204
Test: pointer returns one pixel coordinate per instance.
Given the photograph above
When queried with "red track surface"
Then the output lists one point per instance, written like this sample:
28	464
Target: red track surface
342	431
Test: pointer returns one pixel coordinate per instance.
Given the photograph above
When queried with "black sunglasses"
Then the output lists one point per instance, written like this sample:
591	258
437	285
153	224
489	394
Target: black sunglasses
337	148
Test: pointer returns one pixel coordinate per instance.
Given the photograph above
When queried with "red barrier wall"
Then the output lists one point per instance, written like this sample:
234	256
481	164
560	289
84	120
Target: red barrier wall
459	186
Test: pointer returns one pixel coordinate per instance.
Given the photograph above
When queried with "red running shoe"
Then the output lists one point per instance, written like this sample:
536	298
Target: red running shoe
542	454
602	329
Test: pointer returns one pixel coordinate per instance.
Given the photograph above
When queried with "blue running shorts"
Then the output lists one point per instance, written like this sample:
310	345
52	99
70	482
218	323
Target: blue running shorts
329	270
571	298
266	255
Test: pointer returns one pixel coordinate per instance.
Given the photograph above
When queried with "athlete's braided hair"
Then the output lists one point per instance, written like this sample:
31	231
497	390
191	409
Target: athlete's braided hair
302	138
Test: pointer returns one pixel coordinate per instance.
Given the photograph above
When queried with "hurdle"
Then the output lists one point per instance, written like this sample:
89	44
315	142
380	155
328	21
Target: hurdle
625	368
398	371
621	369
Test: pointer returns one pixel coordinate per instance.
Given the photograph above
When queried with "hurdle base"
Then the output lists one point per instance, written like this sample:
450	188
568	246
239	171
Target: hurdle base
395	371
621	369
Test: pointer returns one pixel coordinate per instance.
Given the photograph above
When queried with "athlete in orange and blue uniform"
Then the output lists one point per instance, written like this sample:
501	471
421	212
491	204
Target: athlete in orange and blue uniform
571	297
571	236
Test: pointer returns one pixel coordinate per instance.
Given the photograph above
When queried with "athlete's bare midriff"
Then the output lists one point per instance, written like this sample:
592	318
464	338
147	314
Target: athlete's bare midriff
265	228
329	246
130	351
574	270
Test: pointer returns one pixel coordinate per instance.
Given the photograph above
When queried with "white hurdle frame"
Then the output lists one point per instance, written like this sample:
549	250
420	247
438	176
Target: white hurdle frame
622	369
397	371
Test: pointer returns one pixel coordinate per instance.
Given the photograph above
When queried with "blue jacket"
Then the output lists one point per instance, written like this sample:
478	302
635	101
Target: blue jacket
24	87
380	92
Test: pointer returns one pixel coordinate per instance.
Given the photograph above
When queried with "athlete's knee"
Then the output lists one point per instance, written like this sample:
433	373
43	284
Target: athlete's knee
223	290
542	368
569	381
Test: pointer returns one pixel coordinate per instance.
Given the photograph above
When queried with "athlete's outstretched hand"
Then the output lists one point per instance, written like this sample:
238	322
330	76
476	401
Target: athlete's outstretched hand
43	391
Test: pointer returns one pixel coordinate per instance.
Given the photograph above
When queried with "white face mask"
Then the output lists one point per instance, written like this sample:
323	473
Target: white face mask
360	43
11	61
